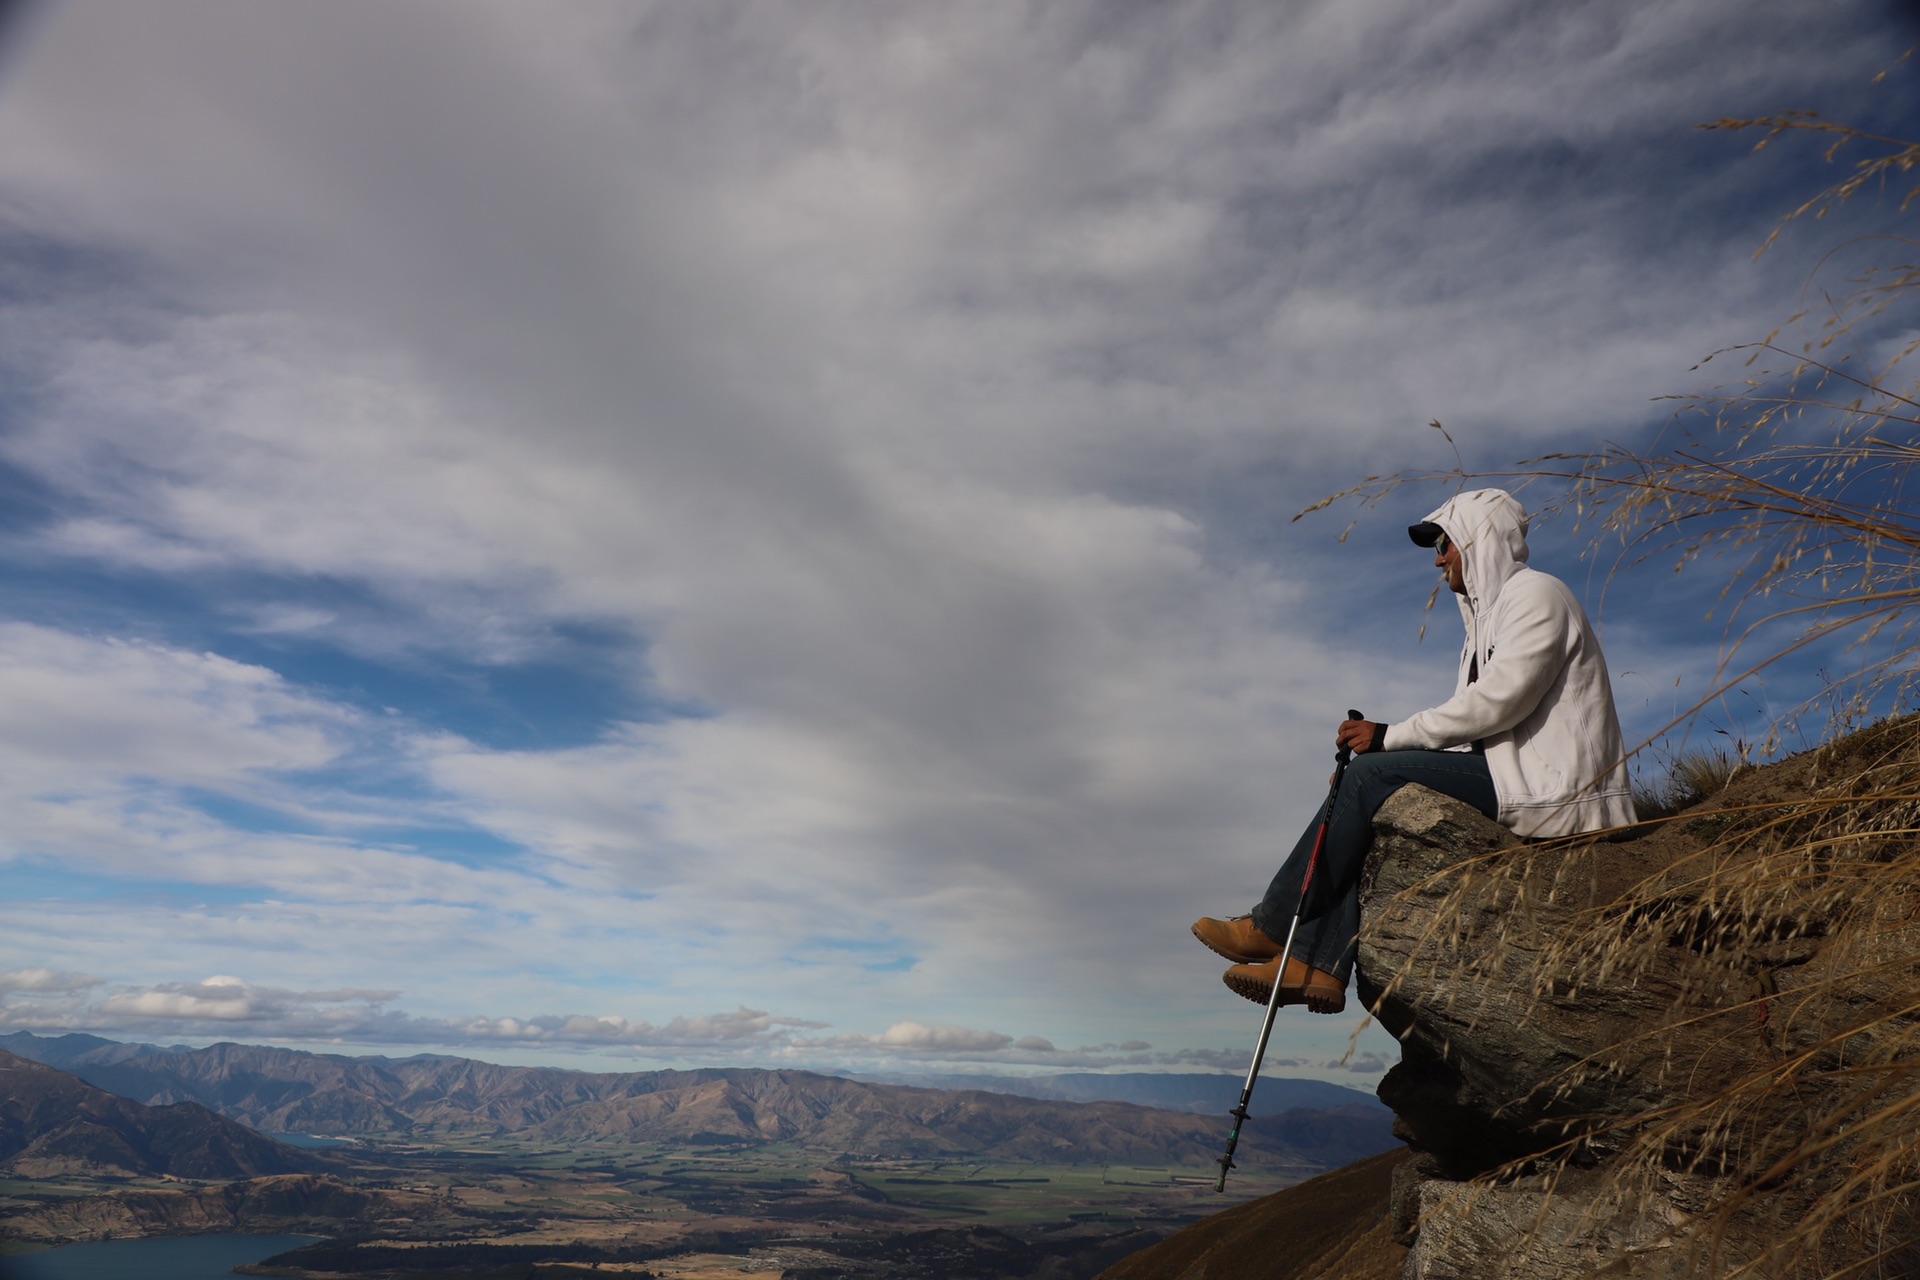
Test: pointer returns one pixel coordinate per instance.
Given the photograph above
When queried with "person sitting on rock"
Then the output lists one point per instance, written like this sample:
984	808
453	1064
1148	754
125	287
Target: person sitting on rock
1530	738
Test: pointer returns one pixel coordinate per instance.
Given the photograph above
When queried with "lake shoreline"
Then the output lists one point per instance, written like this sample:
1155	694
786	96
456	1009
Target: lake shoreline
205	1256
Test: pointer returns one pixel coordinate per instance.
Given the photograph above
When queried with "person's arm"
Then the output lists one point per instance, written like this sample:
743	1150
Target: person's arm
1535	639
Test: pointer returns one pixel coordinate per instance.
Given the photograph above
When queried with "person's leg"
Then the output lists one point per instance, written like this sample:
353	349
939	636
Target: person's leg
1326	941
1331	918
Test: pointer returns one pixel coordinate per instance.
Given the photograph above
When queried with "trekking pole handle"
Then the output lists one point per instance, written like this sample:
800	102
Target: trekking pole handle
1345	753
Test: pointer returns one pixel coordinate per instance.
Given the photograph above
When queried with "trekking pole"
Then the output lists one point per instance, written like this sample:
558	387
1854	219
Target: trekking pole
1239	1113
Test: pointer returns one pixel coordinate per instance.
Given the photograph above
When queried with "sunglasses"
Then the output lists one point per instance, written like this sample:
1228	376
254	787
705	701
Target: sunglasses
1440	544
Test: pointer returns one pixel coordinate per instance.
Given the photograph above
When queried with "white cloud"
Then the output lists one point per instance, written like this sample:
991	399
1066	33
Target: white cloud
749	1029
215	1000
81	708
45	980
915	1035
227	1005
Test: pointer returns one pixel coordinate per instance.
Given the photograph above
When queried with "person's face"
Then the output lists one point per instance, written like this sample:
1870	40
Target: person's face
1446	558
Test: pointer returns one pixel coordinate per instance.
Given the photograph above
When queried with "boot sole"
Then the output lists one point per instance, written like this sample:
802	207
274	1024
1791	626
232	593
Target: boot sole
1317	999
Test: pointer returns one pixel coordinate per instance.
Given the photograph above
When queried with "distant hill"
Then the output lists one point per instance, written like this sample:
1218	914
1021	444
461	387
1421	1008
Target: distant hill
54	1124
282	1090
1199	1092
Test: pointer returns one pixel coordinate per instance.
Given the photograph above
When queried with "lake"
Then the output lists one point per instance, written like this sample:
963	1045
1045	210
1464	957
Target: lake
168	1258
311	1141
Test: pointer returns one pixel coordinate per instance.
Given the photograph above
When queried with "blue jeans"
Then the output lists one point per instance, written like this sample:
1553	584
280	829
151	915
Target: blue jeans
1330	919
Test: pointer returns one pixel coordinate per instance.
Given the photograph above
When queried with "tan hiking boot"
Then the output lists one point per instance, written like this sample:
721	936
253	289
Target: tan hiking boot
1315	988
1236	939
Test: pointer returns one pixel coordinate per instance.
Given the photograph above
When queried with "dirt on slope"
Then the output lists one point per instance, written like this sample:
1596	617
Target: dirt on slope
1335	1225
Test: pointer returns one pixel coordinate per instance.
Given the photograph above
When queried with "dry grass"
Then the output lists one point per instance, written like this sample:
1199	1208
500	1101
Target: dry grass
1693	776
1805	905
1790	486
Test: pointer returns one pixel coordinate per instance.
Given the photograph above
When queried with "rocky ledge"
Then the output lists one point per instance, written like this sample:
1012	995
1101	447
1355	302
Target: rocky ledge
1678	1054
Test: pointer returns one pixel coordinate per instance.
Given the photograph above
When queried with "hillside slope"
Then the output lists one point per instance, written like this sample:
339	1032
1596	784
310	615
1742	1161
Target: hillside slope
53	1124
1336	1226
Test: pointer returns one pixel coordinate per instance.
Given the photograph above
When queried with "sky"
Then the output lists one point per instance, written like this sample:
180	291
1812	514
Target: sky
746	534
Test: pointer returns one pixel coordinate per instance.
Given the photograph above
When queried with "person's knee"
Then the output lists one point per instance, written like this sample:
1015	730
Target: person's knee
1363	767
1372	773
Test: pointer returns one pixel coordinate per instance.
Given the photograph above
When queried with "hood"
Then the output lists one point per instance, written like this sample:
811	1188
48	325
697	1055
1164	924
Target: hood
1490	528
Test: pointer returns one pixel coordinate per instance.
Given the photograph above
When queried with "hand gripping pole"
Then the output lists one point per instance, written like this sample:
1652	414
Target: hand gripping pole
1239	1113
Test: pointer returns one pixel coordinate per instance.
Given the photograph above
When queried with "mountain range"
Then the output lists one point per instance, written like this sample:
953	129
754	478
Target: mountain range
282	1090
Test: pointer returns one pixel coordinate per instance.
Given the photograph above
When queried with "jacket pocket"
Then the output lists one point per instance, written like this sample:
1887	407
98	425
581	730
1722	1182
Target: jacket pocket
1544	779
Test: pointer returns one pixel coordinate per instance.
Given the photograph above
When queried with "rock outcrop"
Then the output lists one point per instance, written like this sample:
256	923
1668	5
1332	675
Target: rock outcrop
1669	1055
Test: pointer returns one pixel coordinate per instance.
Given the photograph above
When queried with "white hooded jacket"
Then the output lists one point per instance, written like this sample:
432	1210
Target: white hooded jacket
1541	705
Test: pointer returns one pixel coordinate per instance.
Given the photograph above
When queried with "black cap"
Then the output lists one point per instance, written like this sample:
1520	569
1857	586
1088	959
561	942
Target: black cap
1425	534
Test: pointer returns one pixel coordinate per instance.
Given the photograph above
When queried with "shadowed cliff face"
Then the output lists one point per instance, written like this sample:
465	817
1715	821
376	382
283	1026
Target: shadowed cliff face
1647	1052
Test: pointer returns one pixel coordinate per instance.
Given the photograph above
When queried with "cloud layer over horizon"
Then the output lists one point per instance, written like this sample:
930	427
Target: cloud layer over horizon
537	526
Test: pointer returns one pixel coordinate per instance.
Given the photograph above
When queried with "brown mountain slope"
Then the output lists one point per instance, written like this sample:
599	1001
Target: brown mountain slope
894	1120
1333	1227
53	1124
